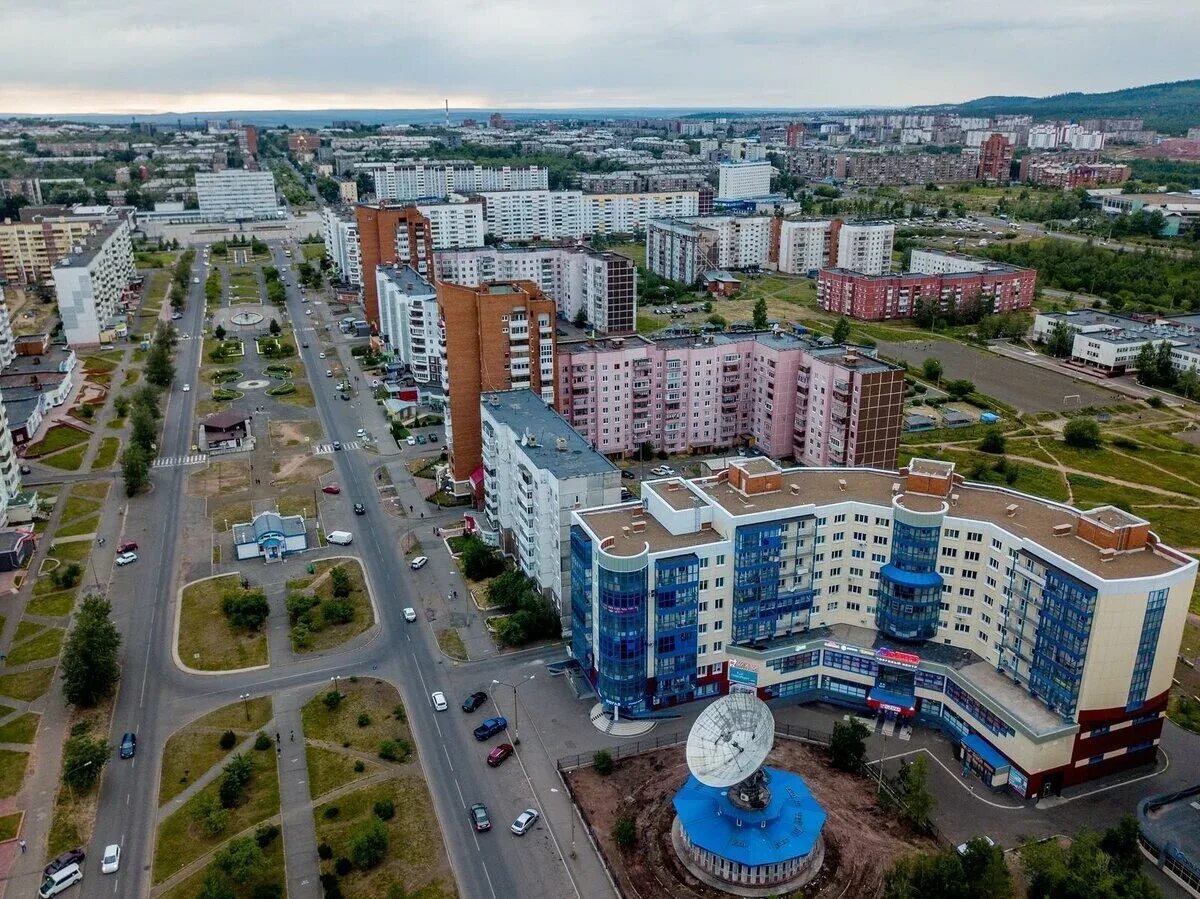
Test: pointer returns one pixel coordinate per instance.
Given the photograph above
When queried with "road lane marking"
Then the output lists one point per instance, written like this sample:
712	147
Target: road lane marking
488	876
460	795
448	761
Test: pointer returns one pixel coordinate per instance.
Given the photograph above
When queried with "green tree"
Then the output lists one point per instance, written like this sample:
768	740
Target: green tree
83	760
246	611
932	369
215	887
625	833
90	662
848	746
602	762
241	860
480	561
368	843
210	816
340	582
1082	433
235	777
912	785
993	442
135	469
219	332
960	388
274	328
1060	340
986	873
926	876
159	369
1188	383
719	320
760	314
143	428
580	319
841	330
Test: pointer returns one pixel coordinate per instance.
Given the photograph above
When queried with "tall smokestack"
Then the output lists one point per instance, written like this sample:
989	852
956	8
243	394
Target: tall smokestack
447	113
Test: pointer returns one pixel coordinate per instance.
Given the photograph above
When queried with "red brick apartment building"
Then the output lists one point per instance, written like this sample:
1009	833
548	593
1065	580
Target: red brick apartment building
881	297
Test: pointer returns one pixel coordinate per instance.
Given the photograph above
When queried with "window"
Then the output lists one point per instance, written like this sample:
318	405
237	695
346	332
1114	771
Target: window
950	533
721	559
839	518
962	628
949	552
974	537
719	583
860	518
854	606
970	555
839	535
860	536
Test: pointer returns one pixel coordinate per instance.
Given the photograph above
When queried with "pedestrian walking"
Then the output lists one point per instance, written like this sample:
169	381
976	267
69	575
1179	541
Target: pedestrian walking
292	736
276	736
22	844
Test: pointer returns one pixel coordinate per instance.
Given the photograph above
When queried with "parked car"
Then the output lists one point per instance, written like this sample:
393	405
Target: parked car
128	745
60	881
111	860
479	817
70	857
418	562
490	728
337	446
411	440
322	356
474	701
25	469
662	471
962	847
628	475
332	489
438	698
410	614
360	509
525	821
128	546
346	397
433	438
496	757
421	439
329	372
127	558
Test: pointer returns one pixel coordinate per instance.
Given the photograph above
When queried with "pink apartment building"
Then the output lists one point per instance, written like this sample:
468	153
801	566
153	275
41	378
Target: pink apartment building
791	397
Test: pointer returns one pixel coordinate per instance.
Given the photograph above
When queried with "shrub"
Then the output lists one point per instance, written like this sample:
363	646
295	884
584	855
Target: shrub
262	742
1155	402
337	611
399	714
329	885
993	442
325	851
603	762
395	750
625	833
1082	433
364	720
210	815
1125	443
333	699
266	834
268	891
368	844
331	811
302	636
385	810
343	866
299	605
359	766
340	581
228	740
246	611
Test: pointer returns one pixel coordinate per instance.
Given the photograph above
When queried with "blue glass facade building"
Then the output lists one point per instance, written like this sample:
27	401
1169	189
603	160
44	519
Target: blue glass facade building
676	601
1060	649
910	588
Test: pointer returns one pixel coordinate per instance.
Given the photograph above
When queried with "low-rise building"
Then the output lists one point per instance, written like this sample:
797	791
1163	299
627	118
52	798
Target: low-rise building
537	468
270	536
225	432
1040	638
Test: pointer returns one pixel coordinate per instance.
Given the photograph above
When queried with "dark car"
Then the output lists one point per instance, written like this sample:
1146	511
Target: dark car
337	445
490	728
25	469
479	817
128	745
433	438
129	546
421	439
474	701
360	509
346	397
628	475
70	857
496	757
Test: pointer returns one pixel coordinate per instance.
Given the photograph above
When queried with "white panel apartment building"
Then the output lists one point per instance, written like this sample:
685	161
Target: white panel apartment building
537	469
572	214
743	180
238	194
683	249
626	213
418	180
408	320
8	350
866	247
603	286
339	228
90	282
453	225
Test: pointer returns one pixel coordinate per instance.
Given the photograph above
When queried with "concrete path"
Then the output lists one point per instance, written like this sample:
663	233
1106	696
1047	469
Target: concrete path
299	831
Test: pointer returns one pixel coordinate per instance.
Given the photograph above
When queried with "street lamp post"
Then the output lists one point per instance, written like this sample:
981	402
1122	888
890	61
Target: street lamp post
334	681
67	777
245	698
516	705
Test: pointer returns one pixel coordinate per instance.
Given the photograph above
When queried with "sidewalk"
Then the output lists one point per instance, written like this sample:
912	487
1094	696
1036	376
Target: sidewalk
295	800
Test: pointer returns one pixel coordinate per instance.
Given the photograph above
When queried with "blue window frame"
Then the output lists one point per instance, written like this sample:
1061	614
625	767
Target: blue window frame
927	680
845	661
621	653
581	597
1060	648
795	687
1139	683
676	601
976	710
758	602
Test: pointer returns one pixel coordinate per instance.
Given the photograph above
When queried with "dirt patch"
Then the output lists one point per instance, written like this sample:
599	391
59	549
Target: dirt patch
861	842
295	433
301	468
220	477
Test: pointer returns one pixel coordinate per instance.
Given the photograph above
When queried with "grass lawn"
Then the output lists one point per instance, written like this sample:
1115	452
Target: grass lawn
451	643
79	527
10	826
272	873
44	646
328	770
206	640
196	747
648	324
97	490
635	251
58	437
180	839
52	605
416	857
154	258
21	729
375	698
68	460
26	686
330	635
313	250
301	396
106	455
12	771
71	550
78	506
27	630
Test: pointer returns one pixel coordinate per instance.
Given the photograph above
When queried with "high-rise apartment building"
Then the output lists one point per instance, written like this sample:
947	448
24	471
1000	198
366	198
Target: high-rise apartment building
238	194
534	214
249	140
536	470
744	180
995	159
866	247
32	244
8	349
788	396
682	249
806	245
411	180
500	336
1040	638
408	320
600	285
91	281
391	235
339	229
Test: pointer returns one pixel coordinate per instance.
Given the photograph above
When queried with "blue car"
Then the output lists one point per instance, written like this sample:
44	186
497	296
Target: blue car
490	728
128	746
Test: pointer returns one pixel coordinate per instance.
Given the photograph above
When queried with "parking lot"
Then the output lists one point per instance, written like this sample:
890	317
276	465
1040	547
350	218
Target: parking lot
1027	388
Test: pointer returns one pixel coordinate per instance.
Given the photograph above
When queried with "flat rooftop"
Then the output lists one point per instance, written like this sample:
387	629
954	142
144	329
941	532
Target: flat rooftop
618	524
557	447
408	279
1173	820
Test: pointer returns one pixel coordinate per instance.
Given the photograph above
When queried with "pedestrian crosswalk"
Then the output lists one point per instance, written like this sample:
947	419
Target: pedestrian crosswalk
324	449
176	461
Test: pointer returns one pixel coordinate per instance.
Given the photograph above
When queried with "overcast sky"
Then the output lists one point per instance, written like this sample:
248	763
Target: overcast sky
143	56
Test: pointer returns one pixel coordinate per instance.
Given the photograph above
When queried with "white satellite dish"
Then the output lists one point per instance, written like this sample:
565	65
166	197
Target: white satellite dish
730	740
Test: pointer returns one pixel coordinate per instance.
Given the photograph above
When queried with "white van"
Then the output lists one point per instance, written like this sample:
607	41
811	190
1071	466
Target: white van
60	880
341	538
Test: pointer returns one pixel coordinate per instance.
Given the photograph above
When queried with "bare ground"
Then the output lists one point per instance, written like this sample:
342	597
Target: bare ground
220	477
300	468
861	842
295	433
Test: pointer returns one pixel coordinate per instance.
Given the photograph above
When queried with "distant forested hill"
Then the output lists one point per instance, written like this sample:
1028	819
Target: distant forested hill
1171	108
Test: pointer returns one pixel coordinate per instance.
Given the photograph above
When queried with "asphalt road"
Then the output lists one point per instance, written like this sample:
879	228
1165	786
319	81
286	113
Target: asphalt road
156	697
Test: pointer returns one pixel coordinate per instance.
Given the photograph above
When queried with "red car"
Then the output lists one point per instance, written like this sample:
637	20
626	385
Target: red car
331	488
129	546
496	757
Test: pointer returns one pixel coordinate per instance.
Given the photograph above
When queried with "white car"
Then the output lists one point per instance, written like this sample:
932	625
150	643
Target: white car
308	312
126	558
410	614
111	860
661	471
962	847
418	562
524	821
329	372
195	280
439	701
411	441
360	433
374	385
322	356
187	387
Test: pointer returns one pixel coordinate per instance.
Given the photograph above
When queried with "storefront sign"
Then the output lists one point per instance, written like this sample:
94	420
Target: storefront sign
740	674
896	657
